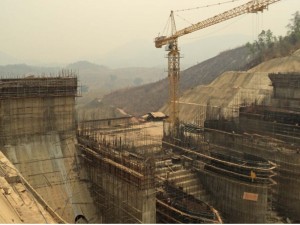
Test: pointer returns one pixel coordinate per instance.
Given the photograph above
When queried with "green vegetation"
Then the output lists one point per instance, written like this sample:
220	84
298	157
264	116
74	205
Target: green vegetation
138	81
269	46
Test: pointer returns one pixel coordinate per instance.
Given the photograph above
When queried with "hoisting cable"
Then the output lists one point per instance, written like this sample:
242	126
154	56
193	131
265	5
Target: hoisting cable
200	7
217	30
184	19
166	28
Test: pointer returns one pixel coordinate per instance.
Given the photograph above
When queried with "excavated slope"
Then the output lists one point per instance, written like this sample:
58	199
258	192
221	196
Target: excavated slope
232	89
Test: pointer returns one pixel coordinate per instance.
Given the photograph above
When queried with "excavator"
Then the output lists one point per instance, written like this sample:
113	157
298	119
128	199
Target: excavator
171	43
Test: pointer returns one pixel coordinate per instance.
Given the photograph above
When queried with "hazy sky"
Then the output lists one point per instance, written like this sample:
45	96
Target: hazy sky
63	31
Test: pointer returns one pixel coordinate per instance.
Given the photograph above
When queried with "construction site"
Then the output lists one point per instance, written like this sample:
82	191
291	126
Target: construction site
230	156
234	166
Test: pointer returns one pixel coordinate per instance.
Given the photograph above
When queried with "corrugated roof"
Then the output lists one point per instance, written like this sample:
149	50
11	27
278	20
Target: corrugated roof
158	114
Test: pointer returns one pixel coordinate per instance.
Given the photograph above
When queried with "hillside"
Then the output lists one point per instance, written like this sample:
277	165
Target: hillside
98	80
221	97
151	97
7	59
289	63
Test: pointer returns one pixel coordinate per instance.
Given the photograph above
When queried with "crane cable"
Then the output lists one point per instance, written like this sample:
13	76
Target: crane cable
257	25
217	30
200	7
215	4
167	26
184	19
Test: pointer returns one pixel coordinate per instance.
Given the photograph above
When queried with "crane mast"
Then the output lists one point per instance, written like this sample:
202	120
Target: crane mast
171	43
173	74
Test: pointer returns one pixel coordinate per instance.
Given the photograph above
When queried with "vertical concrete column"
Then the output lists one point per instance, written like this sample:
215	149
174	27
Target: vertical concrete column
149	206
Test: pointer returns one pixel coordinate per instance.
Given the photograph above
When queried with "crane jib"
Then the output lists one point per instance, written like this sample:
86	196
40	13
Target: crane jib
253	6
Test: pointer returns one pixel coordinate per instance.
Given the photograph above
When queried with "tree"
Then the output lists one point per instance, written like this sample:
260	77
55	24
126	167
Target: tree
251	47
137	81
266	40
113	77
294	28
268	46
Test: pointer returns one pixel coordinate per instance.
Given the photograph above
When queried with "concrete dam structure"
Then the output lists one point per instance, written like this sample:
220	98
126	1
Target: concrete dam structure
241	169
37	134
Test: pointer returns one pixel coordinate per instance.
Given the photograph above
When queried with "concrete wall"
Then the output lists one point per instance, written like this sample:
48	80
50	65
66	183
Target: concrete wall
291	93
35	116
231	199
288	103
286	85
287	192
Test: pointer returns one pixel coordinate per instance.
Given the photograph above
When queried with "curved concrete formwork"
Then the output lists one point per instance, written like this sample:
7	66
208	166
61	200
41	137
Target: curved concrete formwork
239	202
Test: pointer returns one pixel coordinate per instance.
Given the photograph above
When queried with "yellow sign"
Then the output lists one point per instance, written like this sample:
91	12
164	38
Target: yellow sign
252	175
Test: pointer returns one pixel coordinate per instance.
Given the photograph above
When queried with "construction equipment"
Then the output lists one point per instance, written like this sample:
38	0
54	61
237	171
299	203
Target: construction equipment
171	43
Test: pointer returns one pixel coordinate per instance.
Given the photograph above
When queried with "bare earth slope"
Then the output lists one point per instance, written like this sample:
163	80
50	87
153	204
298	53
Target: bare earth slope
284	64
151	97
232	89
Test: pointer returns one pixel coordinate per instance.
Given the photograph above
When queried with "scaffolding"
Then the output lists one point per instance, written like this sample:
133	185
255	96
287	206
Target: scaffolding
38	134
65	84
270	131
227	156
121	155
37	104
119	159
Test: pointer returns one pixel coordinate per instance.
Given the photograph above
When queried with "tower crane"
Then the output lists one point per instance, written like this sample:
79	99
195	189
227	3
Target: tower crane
171	43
